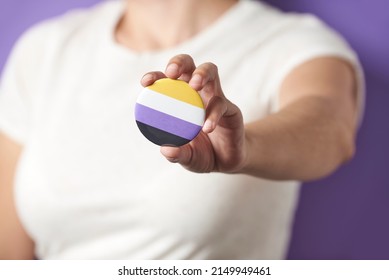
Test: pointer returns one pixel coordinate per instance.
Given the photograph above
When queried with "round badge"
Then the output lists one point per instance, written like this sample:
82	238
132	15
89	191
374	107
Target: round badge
169	112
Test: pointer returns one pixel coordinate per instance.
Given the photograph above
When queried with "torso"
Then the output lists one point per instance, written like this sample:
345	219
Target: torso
90	186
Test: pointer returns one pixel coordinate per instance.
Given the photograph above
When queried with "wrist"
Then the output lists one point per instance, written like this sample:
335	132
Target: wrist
247	155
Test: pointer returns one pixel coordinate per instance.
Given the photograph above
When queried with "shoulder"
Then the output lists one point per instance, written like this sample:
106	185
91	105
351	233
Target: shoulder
263	19
45	45
74	25
287	39
263	30
278	42
49	45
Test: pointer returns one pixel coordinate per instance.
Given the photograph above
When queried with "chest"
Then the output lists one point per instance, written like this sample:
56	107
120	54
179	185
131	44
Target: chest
85	158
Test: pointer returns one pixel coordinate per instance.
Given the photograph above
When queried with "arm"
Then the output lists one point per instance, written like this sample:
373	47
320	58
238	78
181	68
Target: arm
14	242
314	131
311	135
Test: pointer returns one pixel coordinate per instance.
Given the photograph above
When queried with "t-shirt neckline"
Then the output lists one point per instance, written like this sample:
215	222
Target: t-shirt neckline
228	18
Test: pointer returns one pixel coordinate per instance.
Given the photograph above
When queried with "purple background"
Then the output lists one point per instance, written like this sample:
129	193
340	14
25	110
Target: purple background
346	215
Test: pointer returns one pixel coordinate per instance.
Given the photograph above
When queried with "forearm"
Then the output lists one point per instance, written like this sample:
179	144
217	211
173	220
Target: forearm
14	245
14	242
308	138
304	141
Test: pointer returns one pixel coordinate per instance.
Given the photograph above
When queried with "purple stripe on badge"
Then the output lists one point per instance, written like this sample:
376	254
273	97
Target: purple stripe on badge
166	122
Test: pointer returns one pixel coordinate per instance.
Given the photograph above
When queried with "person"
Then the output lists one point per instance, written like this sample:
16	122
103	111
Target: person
283	96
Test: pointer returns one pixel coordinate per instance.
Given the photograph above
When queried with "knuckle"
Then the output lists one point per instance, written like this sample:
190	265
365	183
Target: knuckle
185	63
217	102
181	59
207	68
210	66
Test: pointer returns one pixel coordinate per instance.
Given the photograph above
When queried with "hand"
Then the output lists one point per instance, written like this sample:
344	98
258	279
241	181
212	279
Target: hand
221	145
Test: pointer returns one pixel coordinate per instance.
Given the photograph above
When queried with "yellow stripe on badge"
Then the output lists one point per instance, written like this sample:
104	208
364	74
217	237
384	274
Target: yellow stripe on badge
179	90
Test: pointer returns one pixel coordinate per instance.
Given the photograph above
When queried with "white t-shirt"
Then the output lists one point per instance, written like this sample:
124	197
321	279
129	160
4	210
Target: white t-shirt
90	186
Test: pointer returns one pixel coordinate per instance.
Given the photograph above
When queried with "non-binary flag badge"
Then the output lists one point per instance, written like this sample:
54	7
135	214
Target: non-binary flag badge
169	112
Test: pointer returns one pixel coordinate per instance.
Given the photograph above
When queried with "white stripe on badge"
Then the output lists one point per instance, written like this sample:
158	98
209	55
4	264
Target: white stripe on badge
172	106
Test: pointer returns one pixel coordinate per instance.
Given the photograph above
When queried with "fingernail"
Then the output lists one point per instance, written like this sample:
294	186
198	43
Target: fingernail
173	160
147	77
172	69
208	126
196	80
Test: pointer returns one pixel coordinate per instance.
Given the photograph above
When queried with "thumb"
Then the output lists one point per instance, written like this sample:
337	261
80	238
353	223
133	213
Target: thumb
182	155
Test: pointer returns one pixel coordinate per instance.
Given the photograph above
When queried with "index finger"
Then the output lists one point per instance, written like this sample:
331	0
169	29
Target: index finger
180	66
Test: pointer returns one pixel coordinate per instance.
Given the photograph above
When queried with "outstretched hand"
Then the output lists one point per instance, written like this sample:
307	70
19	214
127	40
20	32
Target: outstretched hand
221	145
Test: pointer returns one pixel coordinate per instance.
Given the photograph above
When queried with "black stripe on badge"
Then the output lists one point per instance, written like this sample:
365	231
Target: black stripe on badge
160	137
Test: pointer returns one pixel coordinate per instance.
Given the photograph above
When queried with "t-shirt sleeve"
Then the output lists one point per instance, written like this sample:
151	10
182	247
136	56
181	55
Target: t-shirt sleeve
305	39
15	86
